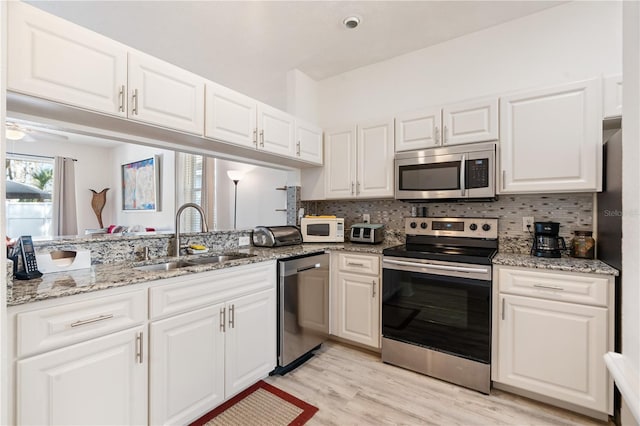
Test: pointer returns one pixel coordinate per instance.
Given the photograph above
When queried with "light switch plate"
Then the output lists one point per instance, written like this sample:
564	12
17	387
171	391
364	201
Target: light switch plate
366	218
243	241
527	223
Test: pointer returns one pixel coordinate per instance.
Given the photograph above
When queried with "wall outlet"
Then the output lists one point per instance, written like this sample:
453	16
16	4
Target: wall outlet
243	241
366	218
527	223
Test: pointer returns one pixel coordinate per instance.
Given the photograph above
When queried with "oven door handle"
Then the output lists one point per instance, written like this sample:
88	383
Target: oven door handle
463	184
439	267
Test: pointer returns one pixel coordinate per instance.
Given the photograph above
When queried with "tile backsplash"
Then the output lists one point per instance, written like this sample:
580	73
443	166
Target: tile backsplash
572	211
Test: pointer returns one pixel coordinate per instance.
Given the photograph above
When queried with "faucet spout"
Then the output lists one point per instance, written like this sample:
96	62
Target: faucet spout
203	223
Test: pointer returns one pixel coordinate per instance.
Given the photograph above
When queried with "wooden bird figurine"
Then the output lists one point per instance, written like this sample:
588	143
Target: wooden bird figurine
98	201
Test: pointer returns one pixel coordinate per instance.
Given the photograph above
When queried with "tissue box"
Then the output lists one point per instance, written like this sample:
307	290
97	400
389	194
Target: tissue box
63	260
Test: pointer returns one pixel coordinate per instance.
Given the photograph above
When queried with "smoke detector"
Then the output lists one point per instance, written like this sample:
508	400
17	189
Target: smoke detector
351	22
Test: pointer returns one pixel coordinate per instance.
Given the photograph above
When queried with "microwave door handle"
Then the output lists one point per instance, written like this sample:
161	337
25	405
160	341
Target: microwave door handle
463	164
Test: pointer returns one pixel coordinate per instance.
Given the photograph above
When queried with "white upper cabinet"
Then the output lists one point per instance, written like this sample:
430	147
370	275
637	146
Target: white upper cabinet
276	131
474	121
375	171
464	122
308	142
230	116
359	161
551	139
612	96
61	61
340	163
418	129
166	95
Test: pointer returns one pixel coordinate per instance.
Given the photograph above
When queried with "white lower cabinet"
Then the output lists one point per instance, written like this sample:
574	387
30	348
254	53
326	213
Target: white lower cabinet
219	340
101	381
552	330
356	297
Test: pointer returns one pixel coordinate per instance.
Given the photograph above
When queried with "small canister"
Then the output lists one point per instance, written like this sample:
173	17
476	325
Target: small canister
583	245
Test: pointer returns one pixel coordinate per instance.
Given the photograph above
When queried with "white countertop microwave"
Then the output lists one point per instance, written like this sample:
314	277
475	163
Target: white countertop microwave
322	229
456	172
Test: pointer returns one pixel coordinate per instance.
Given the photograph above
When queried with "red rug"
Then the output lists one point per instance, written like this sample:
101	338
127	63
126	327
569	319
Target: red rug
245	410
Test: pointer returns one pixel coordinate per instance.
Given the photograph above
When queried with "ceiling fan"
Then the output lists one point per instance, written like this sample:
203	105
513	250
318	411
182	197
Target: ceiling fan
16	132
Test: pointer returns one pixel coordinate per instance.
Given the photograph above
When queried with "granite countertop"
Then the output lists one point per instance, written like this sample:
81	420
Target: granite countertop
567	264
112	275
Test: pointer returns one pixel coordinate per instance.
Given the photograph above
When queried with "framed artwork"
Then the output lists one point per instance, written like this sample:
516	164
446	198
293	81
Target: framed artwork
141	185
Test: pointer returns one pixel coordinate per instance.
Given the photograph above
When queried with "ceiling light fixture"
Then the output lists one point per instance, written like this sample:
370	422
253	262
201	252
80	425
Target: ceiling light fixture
351	22
14	133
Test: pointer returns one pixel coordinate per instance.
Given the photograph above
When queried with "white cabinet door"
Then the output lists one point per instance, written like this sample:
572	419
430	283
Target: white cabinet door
475	121
358	308
57	60
340	163
612	96
163	94
277	131
101	381
230	116
187	366
308	142
418	129
250	341
555	349
551	139
375	173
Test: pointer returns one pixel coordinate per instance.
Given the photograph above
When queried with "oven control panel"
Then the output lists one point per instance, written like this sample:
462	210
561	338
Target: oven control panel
473	227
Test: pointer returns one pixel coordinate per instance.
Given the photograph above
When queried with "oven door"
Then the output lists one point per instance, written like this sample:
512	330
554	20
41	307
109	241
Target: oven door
438	305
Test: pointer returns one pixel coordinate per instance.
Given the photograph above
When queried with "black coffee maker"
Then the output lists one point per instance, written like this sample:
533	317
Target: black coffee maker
546	242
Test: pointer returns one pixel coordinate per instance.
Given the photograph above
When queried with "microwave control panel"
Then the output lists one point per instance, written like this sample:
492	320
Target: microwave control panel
477	173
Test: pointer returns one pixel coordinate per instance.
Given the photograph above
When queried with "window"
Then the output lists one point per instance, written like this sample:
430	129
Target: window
190	175
28	203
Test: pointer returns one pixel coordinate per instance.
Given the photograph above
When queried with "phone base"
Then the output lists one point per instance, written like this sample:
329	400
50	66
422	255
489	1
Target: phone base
21	275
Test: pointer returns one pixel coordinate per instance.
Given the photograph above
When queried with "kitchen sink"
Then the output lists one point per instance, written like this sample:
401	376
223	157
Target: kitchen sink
218	258
169	266
166	266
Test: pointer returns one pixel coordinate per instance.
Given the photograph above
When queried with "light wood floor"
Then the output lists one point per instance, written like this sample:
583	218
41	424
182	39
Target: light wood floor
351	387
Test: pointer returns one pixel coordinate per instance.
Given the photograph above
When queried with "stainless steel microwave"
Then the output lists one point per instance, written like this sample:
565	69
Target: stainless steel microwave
456	172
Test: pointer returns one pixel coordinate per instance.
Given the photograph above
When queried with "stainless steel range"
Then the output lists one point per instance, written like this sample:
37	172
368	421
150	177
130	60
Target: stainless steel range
436	307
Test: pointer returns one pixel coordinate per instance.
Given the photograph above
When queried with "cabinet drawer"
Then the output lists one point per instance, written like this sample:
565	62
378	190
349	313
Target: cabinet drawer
567	287
182	294
362	263
49	328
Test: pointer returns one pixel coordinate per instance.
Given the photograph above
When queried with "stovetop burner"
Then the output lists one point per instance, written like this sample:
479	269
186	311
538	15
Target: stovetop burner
462	240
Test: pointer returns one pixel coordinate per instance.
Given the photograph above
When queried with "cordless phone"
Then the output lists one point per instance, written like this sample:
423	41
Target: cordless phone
29	264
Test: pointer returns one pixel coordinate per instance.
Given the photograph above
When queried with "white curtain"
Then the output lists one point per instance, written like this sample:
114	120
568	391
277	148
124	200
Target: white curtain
65	221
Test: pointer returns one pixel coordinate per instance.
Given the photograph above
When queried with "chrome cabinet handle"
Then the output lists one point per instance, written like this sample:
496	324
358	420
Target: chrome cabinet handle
463	165
444	135
121	98
298	149
255	137
357	187
504	178
92	320
548	287
262	138
355	264
139	348
352	186
373	288
503	308
134	100
232	316
222	316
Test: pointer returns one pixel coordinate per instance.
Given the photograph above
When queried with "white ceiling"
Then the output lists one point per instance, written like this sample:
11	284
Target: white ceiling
250	46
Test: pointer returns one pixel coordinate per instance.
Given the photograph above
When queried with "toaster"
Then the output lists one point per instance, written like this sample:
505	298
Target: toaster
368	233
276	236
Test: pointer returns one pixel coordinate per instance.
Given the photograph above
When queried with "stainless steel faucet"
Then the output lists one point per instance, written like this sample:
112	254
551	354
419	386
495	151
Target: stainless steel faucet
203	222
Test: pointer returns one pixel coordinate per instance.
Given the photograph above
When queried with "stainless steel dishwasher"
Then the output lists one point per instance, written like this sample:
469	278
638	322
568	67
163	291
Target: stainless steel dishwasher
303	308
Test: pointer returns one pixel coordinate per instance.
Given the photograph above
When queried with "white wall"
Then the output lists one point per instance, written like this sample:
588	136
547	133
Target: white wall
162	220
570	42
93	170
257	196
302	96
631	208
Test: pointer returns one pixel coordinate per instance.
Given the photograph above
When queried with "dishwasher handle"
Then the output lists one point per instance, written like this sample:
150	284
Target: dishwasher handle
307	268
289	267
